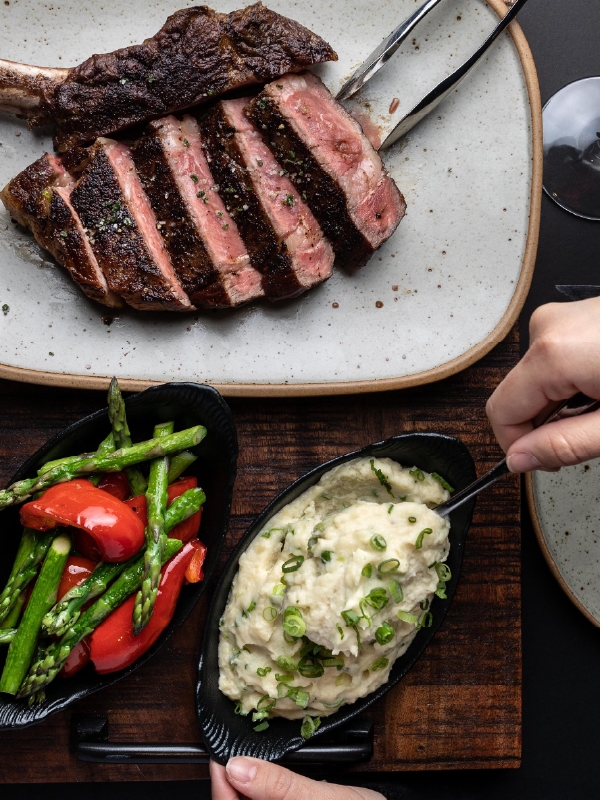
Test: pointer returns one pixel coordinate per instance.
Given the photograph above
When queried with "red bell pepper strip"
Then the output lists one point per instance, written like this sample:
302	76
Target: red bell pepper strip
186	530
76	571
194	573
84	544
113	644
115	483
116	530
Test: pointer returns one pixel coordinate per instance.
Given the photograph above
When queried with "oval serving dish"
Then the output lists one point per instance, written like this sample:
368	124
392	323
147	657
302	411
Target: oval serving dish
226	734
187	404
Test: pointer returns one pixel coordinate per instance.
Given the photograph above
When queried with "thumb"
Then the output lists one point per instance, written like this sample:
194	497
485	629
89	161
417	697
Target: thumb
558	444
261	780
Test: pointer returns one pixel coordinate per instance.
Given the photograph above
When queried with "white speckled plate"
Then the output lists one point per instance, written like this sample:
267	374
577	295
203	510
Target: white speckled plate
452	279
565	508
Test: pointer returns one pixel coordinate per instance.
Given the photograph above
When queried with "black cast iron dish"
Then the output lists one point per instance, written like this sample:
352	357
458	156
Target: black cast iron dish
187	404
224	733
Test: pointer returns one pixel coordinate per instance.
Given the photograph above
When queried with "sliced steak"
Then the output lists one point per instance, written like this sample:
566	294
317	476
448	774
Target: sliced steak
283	237
39	199
122	230
206	249
198	54
332	164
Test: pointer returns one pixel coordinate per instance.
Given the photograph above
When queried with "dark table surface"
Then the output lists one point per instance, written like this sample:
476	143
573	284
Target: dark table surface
561	649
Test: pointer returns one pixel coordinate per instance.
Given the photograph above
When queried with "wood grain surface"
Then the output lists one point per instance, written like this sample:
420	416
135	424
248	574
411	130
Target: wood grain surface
459	707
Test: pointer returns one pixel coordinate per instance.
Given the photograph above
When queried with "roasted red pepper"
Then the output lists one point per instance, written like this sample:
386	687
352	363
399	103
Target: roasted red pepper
186	530
77	659
76	571
115	483
113	645
194	573
116	530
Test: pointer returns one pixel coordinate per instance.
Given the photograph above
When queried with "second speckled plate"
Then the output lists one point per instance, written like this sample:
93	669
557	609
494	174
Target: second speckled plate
438	295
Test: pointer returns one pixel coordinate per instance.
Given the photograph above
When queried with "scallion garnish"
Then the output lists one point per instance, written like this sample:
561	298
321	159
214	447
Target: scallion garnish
424	604
417	474
292	564
384	633
367	571
269	613
309	726
445	484
287	664
380	663
378	542
278	590
426	620
283	678
340	631
389	566
406	617
377	598
262	671
390	508
350	617
326	556
382	478
443	571
336	661
412	519
252	606
310	667
419	542
239	709
262	727
395	591
194	178
293	624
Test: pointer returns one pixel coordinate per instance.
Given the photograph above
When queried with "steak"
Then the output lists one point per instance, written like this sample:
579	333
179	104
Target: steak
332	164
208	255
283	237
198	54
39	198
122	231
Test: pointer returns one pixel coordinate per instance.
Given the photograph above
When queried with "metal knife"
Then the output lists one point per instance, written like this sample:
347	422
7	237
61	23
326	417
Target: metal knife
575	291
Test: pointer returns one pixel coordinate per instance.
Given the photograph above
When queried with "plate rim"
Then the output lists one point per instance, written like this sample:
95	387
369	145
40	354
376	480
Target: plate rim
461	362
554	568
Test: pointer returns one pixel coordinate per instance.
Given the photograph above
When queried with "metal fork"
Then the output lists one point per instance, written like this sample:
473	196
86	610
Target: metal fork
379	57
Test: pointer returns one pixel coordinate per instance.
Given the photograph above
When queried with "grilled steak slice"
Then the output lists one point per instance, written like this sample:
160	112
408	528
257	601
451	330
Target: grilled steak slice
121	226
283	238
209	257
197	54
39	199
332	164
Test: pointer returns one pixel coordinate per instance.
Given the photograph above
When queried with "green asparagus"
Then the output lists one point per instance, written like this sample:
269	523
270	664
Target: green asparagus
115	462
32	550
46	668
42	599
11	620
179	464
7	635
105	447
122	436
67	611
156	497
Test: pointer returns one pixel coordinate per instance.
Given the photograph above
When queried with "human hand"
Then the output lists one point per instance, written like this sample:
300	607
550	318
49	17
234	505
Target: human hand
261	780
563	359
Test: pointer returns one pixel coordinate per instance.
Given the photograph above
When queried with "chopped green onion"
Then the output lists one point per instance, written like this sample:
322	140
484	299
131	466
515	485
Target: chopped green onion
278	590
262	671
384	633
239	709
424	604
367	571
378	542
340	631
417	474
262	727
395	591
309	667
283	678
287	664
351	618
390	508
269	613
382	478
441	591
426	620
252	606
445	484
194	178
293	624
412	519
381	663
406	617
265	706
283	690
443	572
337	661
292	564
301	698
389	566
343	680
288	638
377	598
326	556
309	726
419	542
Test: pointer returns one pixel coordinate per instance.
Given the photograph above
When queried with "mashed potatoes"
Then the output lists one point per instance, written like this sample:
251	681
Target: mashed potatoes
333	590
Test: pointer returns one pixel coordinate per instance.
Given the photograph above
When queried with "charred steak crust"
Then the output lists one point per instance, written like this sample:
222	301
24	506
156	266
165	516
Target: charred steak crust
321	193
116	241
198	54
23	196
267	253
191	262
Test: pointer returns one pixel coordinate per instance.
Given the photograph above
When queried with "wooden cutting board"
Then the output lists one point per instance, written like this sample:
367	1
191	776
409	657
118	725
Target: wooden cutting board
460	706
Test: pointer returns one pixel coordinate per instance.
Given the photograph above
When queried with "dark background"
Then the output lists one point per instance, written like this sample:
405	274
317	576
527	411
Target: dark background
561	649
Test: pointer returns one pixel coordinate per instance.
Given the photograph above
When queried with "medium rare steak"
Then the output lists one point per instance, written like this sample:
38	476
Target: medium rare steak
208	255
332	164
198	54
283	237
122	231
39	198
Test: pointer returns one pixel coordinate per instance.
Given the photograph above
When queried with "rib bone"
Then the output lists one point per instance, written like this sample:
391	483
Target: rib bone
24	88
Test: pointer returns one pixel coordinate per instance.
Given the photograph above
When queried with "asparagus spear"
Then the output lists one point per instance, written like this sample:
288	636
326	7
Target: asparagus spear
12	618
42	598
179	464
156	497
105	447
122	436
46	668
32	550
7	635
115	462
66	612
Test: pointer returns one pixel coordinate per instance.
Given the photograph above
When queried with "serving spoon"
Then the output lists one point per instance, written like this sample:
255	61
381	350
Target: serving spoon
574	407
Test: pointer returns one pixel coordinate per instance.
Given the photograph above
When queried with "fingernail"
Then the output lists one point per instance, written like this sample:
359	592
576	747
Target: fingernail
241	769
522	462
